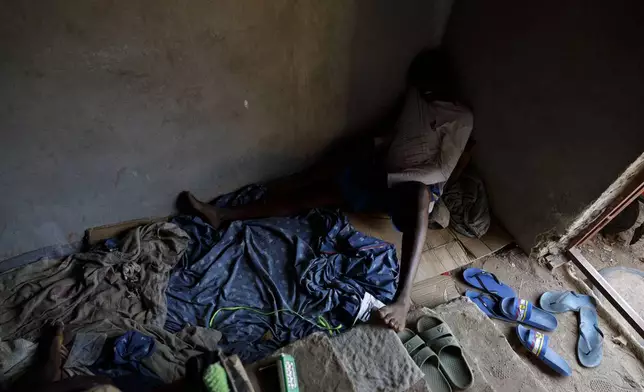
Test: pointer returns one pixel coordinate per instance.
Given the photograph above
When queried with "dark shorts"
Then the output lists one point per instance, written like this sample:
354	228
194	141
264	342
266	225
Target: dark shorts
364	187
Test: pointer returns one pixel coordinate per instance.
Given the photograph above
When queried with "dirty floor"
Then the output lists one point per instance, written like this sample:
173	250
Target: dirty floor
620	369
605	251
620	263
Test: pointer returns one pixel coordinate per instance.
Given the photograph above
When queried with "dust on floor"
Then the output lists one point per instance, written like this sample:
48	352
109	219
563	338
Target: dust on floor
620	369
615	250
621	264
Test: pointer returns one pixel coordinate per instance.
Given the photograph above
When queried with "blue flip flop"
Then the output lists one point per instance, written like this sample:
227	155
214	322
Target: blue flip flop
537	343
589	346
522	311
487	282
487	303
564	301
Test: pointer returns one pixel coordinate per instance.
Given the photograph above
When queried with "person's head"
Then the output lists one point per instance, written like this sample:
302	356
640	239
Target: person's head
431	74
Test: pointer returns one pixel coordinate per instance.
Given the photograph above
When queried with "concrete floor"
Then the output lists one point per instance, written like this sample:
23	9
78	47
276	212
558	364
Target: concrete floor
620	370
109	109
620	263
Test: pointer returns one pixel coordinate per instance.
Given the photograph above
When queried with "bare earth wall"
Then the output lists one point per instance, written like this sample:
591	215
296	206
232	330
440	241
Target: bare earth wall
557	90
108	109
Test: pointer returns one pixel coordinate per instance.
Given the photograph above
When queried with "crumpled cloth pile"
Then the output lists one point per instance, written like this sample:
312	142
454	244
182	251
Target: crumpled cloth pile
110	291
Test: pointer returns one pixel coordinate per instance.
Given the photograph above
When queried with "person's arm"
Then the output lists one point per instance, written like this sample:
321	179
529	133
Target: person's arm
410	215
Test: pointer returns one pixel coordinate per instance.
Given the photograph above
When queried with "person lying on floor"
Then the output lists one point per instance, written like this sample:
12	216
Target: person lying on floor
402	174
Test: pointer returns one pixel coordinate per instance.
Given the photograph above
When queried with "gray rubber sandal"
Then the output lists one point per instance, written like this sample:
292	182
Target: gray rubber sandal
439	337
426	359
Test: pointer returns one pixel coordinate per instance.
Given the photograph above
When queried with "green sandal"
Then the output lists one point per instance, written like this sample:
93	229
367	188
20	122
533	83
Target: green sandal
439	337
426	359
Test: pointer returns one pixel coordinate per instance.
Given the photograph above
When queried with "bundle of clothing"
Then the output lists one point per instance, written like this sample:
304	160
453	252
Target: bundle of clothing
267	282
248	288
103	291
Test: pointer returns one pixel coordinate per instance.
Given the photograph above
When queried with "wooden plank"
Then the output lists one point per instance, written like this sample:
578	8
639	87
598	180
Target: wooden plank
475	247
446	259
436	238
424	270
430	264
426	246
94	235
627	195
458	253
607	290
375	226
434	291
420	275
496	237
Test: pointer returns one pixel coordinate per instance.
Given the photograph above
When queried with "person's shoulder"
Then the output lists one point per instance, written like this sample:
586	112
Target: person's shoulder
450	111
455	107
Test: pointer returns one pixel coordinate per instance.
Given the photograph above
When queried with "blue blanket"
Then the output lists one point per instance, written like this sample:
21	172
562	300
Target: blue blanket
304	274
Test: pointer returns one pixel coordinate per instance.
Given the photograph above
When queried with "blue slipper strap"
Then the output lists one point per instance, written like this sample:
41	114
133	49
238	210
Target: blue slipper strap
599	331
522	309
537	343
581	333
488	307
563	297
495	308
586	341
478	275
482	302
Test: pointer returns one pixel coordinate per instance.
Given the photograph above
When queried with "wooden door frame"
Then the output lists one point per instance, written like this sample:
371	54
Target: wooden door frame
630	193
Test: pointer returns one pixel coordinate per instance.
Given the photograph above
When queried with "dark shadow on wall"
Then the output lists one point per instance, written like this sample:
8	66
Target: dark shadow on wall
387	37
556	89
109	110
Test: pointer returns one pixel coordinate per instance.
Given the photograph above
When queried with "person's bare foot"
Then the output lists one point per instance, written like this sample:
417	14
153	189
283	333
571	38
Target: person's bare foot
395	314
209	213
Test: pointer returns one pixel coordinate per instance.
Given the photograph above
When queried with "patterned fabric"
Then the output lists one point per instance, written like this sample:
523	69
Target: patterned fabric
314	265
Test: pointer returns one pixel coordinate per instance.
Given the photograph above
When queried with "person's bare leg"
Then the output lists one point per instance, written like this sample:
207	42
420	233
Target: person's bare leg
321	196
412	201
209	213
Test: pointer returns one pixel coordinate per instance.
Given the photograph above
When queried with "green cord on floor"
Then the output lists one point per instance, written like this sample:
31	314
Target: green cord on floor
321	322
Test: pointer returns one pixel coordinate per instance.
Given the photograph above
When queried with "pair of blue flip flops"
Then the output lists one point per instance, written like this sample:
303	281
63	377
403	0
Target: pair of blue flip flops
500	301
589	345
